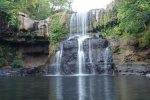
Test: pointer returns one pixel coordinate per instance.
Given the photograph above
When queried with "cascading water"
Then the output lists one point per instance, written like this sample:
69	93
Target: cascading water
90	57
81	57
90	52
82	53
106	56
78	25
58	60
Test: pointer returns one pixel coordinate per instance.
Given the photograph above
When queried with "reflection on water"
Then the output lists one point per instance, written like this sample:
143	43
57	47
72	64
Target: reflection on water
81	88
106	89
59	88
75	88
91	82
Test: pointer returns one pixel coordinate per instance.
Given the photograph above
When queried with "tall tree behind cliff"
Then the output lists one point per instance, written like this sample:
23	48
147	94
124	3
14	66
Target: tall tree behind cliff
44	8
39	9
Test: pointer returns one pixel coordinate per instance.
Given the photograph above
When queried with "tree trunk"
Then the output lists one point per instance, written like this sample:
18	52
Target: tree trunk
144	26
39	6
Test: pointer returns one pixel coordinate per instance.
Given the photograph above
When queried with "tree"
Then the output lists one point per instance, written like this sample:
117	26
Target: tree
133	15
37	9
60	5
4	4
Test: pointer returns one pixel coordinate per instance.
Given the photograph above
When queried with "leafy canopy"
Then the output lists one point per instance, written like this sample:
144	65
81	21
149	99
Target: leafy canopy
133	15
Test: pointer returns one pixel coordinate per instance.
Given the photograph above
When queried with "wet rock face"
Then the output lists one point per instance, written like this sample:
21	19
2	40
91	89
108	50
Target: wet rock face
69	59
8	71
98	46
134	68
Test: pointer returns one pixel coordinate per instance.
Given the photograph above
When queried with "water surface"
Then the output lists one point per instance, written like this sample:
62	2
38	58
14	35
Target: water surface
75	88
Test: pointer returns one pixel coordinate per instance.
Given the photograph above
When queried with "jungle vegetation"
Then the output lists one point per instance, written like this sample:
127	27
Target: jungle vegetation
36	9
124	18
127	18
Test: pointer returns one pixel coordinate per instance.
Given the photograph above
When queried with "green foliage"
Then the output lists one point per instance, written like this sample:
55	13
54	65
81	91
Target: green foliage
117	31
28	33
16	63
101	20
7	53
133	15
121	50
54	38
2	61
42	9
1	50
109	16
105	20
4	4
60	5
52	49
39	34
11	9
111	32
39	9
95	24
144	39
4	54
57	30
13	20
36	8
128	36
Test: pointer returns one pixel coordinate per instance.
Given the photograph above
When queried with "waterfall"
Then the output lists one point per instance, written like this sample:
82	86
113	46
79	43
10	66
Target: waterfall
90	57
78	27
58	60
106	56
78	24
82	53
81	58
90	52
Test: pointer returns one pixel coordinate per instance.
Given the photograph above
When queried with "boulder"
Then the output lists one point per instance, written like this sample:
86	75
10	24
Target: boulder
27	23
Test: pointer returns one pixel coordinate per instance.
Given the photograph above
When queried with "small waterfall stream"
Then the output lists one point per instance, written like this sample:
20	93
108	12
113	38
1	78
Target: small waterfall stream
78	25
81	57
106	56
90	57
58	60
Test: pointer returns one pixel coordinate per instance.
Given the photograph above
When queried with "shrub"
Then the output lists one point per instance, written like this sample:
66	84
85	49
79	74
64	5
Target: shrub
16	63
145	39
2	61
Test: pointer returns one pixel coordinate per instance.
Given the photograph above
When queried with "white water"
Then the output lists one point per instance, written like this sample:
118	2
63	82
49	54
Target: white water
90	52
78	29
81	58
90	57
58	60
59	88
106	55
78	24
81	88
